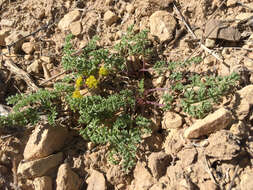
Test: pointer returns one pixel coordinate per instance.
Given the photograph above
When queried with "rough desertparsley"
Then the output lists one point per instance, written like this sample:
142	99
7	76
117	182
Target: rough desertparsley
76	94
79	82
91	82
102	71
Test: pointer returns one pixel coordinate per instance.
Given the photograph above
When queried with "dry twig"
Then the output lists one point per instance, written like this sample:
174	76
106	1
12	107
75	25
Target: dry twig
233	179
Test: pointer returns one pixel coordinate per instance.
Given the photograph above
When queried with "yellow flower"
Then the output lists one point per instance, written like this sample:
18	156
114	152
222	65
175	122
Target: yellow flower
103	71
79	81
76	94
91	82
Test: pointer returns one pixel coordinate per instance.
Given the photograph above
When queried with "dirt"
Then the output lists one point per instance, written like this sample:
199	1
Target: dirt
217	161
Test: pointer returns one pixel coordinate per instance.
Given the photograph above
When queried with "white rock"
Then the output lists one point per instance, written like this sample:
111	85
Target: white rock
244	16
213	122
44	141
172	120
43	183
39	167
68	19
28	47
67	179
6	22
231	2
210	43
96	181
162	25
110	18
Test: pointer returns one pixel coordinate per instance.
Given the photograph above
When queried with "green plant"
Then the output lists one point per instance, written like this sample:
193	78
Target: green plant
106	115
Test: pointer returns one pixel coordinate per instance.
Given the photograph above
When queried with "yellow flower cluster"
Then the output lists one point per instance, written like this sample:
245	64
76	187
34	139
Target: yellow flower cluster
76	94
91	82
102	71
79	82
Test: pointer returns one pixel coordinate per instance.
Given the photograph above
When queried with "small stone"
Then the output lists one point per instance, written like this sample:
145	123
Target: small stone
6	22
67	179
96	181
130	8
90	145
246	181
239	129
3	34
223	70
231	3
162	25
43	183
210	43
248	64
76	28
46	59
247	93
40	167
187	156
172	120
35	67
110	18
28	47
68	19
213	122
158	163
15	37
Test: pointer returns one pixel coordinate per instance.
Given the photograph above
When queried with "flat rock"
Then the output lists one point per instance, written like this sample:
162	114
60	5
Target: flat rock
39	167
68	19
187	156
244	16
15	37
216	29
158	163
110	18
43	183
34	67
171	120
247	93
96	181
67	179
44	141
162	25
223	145
213	122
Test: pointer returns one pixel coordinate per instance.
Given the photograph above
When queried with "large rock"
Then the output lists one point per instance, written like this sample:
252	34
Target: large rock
213	122
67	179
43	183
223	145
44	141
158	163
162	25
142	178
96	181
216	29
68	19
40	167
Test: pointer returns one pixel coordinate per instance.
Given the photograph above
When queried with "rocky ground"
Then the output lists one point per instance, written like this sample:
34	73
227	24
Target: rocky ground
182	153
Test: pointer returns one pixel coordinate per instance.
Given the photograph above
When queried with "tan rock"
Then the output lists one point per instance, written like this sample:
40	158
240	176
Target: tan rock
242	110
216	29
142	178
110	18
3	34
171	120
43	183
231	3
246	181
7	22
96	181
35	67
187	156
15	37
223	145
130	8
68	19
210	43
158	163
40	167
76	28
28	47
46	59
67	179
162	3
247	93
244	16
162	25
44	141
213	122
